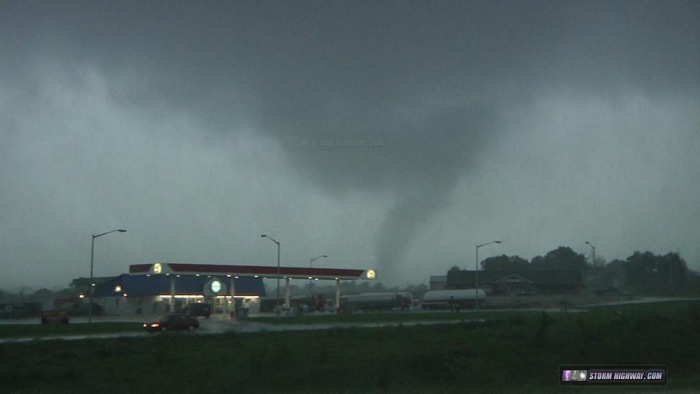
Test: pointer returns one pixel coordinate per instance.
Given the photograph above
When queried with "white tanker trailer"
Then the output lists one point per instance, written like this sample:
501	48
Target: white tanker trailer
385	301
449	299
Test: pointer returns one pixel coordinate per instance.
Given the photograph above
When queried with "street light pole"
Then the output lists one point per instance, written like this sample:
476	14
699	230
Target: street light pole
92	264
311	261
311	283
277	302
476	272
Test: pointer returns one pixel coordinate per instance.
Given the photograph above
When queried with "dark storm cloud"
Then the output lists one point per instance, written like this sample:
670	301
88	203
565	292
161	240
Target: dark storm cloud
313	67
318	60
397	100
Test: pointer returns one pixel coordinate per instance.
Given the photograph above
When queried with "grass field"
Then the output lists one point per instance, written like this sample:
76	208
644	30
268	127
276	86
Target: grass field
58	330
511	352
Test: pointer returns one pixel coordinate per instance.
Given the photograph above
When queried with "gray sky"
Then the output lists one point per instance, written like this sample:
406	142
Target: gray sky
388	135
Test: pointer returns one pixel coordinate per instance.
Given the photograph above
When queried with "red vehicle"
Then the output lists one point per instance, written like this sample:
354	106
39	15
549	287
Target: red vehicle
172	322
55	316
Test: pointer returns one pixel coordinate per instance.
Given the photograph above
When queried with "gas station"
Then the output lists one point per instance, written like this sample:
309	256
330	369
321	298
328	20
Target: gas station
221	279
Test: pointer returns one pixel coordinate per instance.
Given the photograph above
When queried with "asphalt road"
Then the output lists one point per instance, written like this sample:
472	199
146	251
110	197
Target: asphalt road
221	323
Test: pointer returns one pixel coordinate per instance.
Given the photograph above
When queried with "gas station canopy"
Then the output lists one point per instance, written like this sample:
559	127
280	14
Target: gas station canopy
250	270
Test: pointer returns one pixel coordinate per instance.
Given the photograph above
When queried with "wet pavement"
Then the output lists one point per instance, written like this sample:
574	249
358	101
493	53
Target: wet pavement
74	337
218	324
253	326
644	300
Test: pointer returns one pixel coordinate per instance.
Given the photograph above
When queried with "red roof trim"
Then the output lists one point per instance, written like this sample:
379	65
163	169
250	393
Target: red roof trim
294	272
139	268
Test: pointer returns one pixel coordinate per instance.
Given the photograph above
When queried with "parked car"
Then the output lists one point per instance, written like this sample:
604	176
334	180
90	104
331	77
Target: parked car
172	322
198	309
55	316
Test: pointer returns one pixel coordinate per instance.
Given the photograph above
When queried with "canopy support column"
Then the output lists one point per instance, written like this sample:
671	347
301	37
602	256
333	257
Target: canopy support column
172	293
232	286
287	304
337	295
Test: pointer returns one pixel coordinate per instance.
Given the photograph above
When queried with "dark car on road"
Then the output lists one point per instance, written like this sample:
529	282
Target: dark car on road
172	322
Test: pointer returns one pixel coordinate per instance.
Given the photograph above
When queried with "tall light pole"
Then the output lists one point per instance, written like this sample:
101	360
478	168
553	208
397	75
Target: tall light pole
592	247
278	268
92	264
476	272
311	283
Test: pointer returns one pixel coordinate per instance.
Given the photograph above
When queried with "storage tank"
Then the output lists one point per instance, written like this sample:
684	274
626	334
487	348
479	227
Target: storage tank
377	301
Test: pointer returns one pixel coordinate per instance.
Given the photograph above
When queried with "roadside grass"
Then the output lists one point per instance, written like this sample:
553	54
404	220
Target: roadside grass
386	317
519	352
53	330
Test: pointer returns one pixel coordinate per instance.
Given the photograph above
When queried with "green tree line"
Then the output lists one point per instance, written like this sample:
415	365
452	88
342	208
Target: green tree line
642	273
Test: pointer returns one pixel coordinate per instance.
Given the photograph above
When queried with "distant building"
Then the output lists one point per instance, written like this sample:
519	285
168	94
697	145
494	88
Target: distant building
438	282
81	285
